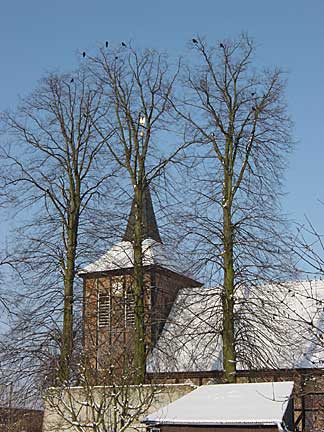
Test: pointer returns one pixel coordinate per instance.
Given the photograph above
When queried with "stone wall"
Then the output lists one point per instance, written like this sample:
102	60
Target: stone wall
73	407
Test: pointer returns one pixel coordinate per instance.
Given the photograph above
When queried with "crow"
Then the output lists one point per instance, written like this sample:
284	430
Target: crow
83	54
106	44
252	94
72	80
194	41
221	45
123	44
116	58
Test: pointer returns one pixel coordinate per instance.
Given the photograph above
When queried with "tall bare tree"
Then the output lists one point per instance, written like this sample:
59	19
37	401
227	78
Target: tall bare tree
138	86
238	117
54	168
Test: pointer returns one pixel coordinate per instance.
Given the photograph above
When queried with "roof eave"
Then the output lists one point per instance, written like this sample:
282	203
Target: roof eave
213	423
95	273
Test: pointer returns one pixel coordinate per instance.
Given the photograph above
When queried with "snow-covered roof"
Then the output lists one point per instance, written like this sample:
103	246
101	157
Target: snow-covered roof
190	340
228	404
277	326
121	256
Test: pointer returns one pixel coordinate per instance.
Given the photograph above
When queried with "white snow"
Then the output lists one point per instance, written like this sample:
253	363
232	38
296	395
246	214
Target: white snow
291	326
121	256
190	340
230	404
277	326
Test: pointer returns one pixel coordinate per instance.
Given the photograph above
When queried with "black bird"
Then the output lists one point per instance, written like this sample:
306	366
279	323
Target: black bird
116	58
83	54
221	45
253	108
194	41
106	44
123	44
72	80
252	94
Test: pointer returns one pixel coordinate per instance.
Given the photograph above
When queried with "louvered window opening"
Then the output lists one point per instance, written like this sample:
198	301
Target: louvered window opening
121	305
104	310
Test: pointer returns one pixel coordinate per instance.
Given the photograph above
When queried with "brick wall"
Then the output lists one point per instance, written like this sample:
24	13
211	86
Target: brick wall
107	345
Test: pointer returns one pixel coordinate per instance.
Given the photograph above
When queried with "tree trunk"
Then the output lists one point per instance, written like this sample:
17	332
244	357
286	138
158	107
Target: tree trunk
228	302
229	357
138	288
69	274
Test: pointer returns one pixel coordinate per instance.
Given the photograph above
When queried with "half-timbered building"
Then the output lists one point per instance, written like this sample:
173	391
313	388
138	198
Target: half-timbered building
279	326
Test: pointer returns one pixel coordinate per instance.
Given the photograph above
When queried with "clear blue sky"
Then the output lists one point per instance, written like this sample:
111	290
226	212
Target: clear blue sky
41	35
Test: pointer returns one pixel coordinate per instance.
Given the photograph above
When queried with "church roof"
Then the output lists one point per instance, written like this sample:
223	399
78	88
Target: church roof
121	256
150	228
277	326
228	404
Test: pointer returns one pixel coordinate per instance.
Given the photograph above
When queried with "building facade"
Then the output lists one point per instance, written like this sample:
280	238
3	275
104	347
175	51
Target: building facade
279	327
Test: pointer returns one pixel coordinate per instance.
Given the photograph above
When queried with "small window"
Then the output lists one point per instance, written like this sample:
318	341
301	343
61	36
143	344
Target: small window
104	310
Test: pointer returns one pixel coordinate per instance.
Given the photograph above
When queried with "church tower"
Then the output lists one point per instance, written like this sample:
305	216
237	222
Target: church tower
108	305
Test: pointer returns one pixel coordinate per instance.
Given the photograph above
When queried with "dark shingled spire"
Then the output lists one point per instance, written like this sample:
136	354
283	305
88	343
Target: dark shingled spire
150	228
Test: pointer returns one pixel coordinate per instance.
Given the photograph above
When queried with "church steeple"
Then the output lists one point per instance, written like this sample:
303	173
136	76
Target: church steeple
109	301
150	228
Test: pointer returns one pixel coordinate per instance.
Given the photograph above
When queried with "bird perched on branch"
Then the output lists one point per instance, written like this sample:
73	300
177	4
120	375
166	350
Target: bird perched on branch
106	44
123	44
72	80
83	54
221	45
194	41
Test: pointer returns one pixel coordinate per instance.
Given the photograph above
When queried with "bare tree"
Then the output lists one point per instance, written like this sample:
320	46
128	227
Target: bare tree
117	406
238	118
138	87
54	169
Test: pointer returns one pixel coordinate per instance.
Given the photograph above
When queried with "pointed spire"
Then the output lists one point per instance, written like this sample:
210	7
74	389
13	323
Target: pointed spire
150	228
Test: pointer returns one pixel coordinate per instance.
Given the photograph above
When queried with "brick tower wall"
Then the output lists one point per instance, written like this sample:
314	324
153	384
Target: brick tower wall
109	340
165	287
